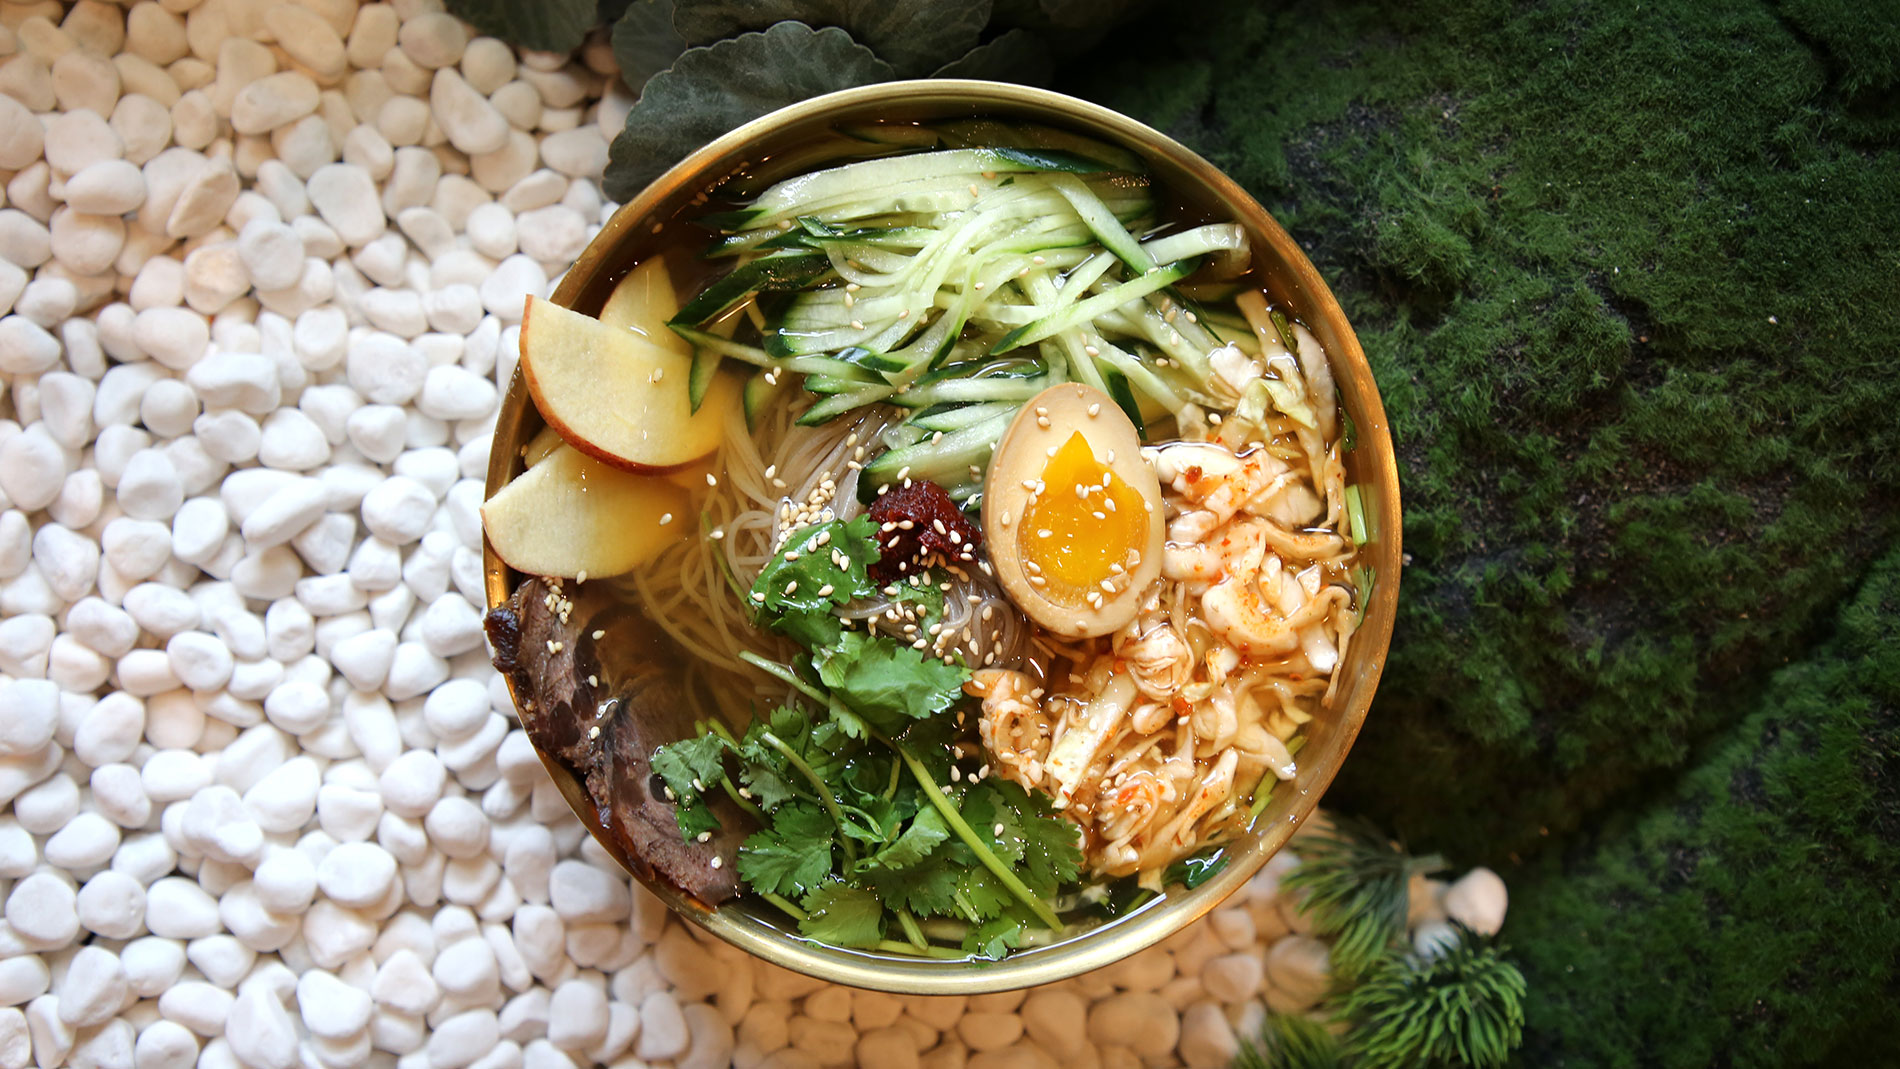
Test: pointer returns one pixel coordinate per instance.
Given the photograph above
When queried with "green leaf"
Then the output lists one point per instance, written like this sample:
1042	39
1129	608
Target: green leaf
689	766
791	856
919	838
645	42
842	915
796	597
546	25
1191	872
1041	845
912	36
926	889
885	682
710	90
1017	56
992	939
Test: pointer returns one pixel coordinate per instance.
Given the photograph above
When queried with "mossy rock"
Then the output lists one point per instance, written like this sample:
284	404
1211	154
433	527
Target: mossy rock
1628	279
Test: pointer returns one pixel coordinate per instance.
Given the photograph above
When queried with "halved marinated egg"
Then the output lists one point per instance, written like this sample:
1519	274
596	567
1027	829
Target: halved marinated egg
1072	513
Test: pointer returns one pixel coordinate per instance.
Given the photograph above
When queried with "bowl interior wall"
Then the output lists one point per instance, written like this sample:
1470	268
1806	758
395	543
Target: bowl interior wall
801	138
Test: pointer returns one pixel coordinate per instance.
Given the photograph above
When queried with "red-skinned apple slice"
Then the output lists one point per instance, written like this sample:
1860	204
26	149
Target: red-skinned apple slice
570	514
616	396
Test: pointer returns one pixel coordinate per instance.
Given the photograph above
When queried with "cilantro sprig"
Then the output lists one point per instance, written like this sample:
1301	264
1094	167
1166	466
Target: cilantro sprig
859	835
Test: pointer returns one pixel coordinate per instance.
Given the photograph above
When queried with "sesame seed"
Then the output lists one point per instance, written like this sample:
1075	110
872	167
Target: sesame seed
758	595
1095	410
711	479
1091	350
598	635
717	861
665	518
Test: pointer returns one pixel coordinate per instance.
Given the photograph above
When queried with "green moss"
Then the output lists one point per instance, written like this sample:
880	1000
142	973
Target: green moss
1746	919
1626	278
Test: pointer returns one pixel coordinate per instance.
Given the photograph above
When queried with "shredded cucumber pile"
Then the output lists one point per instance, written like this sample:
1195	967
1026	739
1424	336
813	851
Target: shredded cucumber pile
958	284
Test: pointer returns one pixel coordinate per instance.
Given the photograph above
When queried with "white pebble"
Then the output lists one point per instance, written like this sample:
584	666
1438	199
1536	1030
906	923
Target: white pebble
260	1031
93	988
177	908
108	187
29	714
356	874
25	347
331	1008
112	904
1478	901
583	894
346	198
43	911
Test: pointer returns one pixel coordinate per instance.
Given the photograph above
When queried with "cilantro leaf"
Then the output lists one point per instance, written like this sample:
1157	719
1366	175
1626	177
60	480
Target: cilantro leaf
886	682
766	785
992	939
843	915
928	888
688	767
827	567
911	847
983	892
1042	845
791	856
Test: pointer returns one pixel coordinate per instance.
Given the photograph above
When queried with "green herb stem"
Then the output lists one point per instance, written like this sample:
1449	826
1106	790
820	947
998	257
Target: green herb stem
892	946
779	671
911	931
825	797
740	800
791	908
975	842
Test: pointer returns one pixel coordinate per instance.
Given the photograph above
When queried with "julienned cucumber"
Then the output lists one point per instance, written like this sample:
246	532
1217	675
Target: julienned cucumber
868	177
1085	310
779	271
949	458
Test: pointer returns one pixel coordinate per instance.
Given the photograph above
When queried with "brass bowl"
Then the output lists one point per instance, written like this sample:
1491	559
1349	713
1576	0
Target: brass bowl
790	140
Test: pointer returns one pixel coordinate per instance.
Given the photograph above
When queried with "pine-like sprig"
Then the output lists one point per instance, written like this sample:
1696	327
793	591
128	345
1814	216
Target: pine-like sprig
1353	883
1290	1042
1463	1008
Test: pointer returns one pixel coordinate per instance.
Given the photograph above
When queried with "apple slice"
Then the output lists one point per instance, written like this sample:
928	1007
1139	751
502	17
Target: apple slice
571	514
616	396
541	446
643	302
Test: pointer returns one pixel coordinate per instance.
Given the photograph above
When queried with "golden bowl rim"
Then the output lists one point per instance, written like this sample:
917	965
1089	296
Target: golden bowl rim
1374	457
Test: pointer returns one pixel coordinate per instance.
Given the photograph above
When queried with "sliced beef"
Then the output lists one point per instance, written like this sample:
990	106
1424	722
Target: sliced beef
625	685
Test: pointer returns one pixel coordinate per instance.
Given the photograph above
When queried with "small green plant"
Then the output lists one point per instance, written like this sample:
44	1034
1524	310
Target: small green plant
1461	1008
1290	1042
1353	883
1464	1007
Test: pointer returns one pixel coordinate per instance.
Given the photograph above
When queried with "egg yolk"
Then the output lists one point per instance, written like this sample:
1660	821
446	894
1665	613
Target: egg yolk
1085	528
